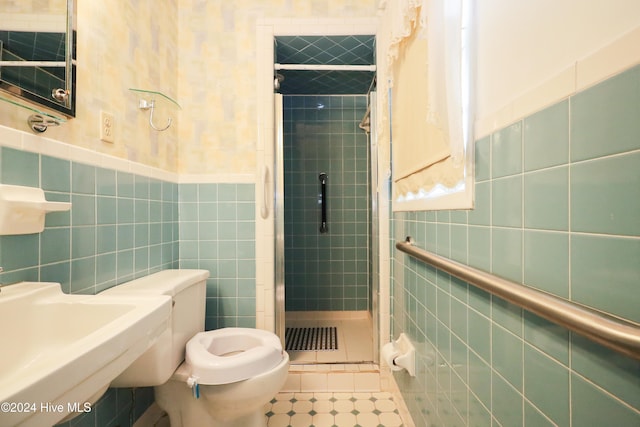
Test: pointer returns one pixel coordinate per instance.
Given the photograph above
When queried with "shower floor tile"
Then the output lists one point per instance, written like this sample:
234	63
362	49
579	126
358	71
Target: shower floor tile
355	336
333	409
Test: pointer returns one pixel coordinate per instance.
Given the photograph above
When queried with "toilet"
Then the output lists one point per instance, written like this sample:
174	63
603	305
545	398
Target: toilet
219	378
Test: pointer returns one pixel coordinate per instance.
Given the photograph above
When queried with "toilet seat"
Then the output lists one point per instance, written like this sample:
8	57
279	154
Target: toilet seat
230	355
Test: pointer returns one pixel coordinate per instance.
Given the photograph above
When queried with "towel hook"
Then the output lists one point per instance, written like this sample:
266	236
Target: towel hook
150	105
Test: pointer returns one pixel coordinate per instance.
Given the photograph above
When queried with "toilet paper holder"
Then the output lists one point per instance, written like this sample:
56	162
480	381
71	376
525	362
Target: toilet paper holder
400	354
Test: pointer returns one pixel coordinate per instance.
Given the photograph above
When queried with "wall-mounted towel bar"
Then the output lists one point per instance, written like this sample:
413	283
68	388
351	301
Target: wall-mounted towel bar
611	332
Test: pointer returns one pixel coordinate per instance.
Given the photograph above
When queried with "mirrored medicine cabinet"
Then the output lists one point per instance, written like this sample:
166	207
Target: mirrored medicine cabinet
38	53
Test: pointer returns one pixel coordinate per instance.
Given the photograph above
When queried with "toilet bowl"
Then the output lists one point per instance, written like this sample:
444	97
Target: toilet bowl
229	355
219	378
225	389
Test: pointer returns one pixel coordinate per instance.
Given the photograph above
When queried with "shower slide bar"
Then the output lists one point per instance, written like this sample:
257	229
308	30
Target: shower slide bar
324	67
616	334
323	202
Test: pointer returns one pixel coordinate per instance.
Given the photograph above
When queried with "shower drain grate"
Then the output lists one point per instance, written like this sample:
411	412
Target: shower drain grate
311	339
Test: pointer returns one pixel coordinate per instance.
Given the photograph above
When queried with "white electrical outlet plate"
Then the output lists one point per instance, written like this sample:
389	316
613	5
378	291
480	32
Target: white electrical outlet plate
107	122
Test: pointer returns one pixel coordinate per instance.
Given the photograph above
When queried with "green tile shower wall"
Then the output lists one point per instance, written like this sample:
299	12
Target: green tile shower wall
557	208
326	271
217	233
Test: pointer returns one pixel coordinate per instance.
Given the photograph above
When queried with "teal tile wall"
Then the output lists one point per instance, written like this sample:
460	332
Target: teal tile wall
217	233
326	271
557	208
112	233
121	226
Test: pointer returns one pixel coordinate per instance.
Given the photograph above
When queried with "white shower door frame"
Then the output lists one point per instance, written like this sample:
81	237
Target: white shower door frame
270	310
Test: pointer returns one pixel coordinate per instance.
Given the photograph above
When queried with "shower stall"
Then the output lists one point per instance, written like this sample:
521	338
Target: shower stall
325	286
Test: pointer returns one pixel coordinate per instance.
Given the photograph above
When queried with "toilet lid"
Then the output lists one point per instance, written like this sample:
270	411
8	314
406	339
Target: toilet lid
230	355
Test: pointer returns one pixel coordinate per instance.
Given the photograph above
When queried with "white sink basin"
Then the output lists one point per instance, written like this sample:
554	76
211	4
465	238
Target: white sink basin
61	351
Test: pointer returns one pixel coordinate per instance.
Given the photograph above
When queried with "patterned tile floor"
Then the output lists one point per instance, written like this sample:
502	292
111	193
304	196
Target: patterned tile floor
333	410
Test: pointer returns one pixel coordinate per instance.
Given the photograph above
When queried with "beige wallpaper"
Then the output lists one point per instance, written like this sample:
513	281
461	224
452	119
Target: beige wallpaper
33	6
121	44
217	76
200	53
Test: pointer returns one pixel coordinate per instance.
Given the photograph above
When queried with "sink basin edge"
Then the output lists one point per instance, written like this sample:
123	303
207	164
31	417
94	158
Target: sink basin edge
87	365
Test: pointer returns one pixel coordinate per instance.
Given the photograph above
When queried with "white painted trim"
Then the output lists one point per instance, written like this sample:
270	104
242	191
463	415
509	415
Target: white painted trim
33	63
26	141
317	67
226	178
266	30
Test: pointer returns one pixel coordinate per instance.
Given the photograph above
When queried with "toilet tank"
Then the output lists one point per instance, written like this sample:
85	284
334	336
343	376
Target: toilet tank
188	291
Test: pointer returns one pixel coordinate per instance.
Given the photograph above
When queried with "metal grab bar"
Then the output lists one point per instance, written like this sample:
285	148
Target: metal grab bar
611	332
323	202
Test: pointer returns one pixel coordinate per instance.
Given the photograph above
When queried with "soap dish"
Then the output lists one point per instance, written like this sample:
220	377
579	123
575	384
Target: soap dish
22	209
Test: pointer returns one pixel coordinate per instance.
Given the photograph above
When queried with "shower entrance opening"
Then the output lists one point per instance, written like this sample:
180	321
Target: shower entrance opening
324	278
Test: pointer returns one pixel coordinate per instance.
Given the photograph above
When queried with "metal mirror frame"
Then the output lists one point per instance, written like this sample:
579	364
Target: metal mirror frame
66	103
